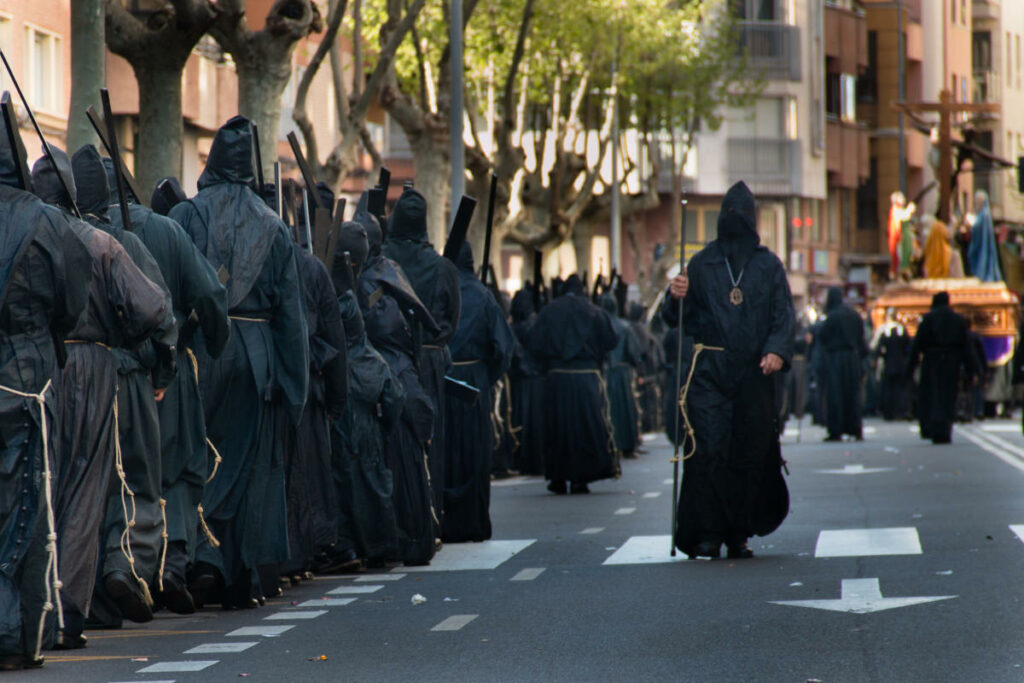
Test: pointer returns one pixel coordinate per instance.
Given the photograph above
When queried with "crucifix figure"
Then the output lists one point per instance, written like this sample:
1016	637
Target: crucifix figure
945	107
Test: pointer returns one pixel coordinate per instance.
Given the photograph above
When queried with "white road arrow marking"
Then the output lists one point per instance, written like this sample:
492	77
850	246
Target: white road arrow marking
861	596
856	469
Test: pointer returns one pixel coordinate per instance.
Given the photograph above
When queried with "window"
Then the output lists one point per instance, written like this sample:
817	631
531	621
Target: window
963	12
758	10
981	50
848	111
1017	40
44	70
867	86
1009	60
767	119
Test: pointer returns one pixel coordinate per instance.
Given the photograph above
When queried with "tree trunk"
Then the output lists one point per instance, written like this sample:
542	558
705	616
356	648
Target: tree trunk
260	88
432	171
160	125
88	69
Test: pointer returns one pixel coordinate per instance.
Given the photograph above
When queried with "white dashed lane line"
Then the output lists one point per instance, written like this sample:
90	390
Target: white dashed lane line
652	494
327	602
367	578
268	631
528	574
220	648
593	530
285	616
177	667
625	511
354	590
455	622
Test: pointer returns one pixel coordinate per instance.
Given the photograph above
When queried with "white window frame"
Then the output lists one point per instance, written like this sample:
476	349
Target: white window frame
50	100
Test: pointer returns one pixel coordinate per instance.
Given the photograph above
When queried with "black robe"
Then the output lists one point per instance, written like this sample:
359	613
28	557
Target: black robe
840	361
893	351
200	306
124	309
671	415
527	377
366	519
481	350
44	288
261	379
572	336
648	368
943	347
732	485
312	495
619	372
436	283
381	286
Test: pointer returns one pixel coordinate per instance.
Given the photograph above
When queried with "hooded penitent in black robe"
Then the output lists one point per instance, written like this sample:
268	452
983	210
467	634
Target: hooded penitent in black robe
942	345
44	289
200	306
527	377
647	370
312	495
435	282
893	350
618	374
732	486
673	423
481	352
842	351
131	560
124	309
384	294
261	380
572	336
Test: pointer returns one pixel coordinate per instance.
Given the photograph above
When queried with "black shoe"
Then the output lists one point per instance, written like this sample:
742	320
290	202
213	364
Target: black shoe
579	488
709	549
629	455
19	662
739	551
70	641
199	587
557	487
176	596
126	594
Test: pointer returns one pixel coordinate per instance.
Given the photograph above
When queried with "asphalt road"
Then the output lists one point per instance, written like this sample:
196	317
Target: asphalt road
898	562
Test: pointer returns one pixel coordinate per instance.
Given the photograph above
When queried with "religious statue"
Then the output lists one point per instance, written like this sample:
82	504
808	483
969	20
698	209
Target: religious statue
899	213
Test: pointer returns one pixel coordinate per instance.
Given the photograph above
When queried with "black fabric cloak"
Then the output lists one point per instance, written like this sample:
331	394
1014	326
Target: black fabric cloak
732	486
436	283
619	370
572	336
648	371
942	346
842	352
366	520
261	379
312	495
384	294
527	377
481	349
893	351
44	289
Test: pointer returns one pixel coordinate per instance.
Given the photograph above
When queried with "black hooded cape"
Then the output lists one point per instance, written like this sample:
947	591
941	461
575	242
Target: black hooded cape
842	351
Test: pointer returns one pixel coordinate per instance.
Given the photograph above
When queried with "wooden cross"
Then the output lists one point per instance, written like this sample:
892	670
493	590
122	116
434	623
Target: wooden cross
946	107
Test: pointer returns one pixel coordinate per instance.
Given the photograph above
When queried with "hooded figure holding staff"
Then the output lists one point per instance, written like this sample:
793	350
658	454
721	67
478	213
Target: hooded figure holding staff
736	298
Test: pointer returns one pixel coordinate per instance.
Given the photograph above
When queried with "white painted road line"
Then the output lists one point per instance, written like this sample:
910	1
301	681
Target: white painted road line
467	556
528	574
652	494
268	631
625	511
593	530
516	481
354	590
667	482
219	648
329	602
868	542
1003	450
175	667
861	596
1001	427
285	616
856	469
869	430
170	680
455	622
1018	529
366	578
645	550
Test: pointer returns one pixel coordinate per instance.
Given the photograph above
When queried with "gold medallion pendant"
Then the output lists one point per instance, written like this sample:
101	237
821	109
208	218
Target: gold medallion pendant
735	296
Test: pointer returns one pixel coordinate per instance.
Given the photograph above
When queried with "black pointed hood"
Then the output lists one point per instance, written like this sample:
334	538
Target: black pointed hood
47	185
737	226
9	163
351	239
92	190
464	261
572	285
834	299
940	299
374	236
408	220
231	156
108	167
166	195
522	305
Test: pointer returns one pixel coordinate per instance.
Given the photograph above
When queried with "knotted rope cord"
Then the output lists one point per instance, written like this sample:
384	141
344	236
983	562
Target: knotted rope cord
216	463
687	427
497	421
51	576
512	429
129	518
163	553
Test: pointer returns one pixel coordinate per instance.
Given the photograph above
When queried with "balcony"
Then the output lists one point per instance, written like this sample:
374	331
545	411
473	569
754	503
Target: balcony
846	154
773	49
769	166
987	86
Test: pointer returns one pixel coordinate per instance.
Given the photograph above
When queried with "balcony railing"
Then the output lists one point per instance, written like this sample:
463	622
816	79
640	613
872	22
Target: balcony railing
987	86
773	49
769	166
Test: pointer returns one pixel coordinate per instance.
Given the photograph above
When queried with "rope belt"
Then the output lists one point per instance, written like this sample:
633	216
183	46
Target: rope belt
688	452
248	320
465	363
194	362
87	341
51	576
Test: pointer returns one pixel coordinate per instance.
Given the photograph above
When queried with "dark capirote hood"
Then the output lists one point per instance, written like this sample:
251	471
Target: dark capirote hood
834	299
636	312
408	220
572	285
166	195
108	167
940	299
351	239
231	155
522	305
9	162
92	189
374	236
47	185
464	261
737	225
610	306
